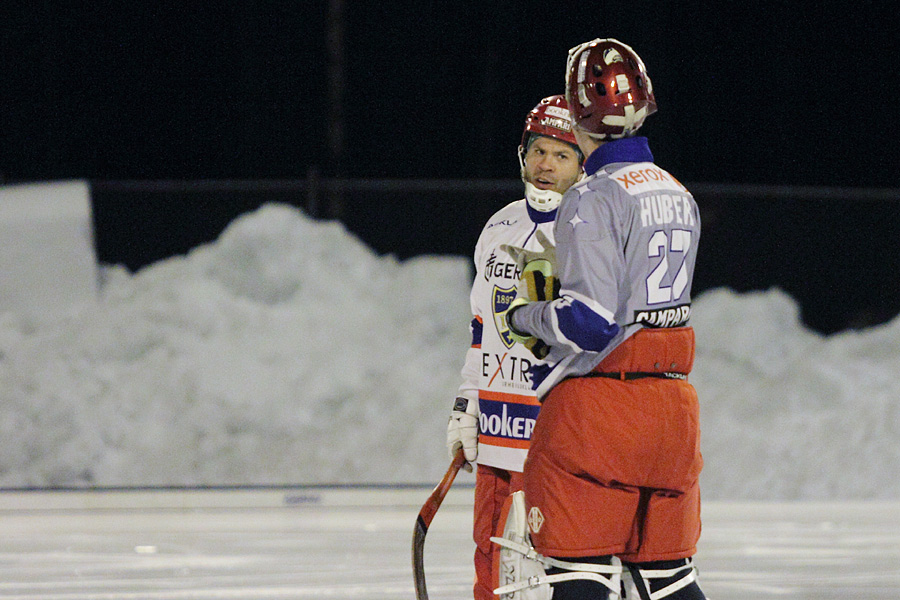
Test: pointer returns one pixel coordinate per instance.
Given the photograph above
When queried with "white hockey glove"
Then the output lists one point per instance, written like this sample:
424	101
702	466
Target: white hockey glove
522	256
537	283
462	430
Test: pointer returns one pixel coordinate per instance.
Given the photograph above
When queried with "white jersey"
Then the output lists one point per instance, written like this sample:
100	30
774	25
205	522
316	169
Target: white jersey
496	372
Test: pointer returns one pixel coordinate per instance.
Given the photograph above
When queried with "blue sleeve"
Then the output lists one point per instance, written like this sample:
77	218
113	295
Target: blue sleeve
585	328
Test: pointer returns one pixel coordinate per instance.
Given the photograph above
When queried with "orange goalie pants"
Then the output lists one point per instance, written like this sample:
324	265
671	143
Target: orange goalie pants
614	464
492	488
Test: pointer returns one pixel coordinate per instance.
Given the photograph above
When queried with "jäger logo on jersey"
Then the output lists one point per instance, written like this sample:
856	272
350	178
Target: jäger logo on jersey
500	300
645	177
675	316
500	270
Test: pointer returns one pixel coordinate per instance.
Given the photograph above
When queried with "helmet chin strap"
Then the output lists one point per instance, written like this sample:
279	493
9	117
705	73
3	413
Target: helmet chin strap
541	200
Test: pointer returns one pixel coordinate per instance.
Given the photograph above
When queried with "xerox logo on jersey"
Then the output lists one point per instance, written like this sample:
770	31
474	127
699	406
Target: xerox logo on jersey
500	300
675	316
507	419
646	177
494	268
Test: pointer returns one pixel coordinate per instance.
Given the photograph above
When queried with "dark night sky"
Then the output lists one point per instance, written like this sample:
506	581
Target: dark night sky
748	92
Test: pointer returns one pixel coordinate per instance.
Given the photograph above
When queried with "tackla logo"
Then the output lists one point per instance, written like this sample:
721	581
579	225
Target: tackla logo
535	519
501	298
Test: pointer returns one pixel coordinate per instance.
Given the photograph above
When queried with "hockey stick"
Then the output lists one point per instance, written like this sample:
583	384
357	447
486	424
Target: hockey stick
424	520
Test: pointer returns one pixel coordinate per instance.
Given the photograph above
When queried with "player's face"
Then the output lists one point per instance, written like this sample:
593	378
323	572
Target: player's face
551	165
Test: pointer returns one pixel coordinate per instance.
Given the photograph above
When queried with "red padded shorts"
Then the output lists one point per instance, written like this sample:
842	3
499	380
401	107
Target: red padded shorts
614	465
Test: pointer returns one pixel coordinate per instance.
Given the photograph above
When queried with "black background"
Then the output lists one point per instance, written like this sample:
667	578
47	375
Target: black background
748	93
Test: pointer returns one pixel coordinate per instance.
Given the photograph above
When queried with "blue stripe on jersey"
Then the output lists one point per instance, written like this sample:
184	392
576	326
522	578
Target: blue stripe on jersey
585	327
507	419
538	216
538	374
477	328
633	149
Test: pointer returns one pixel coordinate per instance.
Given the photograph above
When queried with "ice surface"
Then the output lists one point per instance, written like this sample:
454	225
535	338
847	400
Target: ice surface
288	352
356	545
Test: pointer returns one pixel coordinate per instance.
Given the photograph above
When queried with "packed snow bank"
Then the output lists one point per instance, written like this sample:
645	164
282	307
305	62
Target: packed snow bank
287	352
788	413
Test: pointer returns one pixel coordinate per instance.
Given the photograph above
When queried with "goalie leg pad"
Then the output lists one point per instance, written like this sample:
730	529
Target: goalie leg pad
514	566
672	579
522	571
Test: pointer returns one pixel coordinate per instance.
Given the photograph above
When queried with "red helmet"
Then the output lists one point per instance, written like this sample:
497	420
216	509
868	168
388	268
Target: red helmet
608	88
550	117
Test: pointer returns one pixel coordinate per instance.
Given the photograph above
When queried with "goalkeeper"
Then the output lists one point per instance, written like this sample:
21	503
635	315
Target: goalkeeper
612	474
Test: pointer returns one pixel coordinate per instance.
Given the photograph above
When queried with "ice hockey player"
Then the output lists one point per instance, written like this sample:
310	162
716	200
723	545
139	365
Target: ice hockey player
611	478
496	409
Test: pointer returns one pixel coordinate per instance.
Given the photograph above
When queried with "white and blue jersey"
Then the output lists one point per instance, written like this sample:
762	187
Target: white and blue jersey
497	370
626	243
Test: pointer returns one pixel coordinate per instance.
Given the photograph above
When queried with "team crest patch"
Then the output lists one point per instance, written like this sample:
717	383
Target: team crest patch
535	519
501	298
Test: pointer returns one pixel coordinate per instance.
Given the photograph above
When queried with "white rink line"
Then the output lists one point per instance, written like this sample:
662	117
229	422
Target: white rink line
354	543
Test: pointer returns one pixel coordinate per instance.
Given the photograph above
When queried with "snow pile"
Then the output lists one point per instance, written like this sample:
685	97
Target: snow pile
287	352
790	414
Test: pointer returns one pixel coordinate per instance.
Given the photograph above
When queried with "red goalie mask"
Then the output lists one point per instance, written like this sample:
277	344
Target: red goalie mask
608	89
